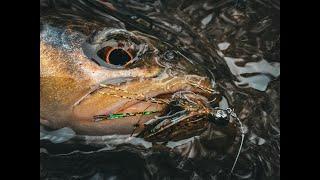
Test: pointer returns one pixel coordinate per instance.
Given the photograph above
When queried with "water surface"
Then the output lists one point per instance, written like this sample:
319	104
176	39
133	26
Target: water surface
238	42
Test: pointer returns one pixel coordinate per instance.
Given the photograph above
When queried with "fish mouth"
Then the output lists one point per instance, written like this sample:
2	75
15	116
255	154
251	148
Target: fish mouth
156	103
114	112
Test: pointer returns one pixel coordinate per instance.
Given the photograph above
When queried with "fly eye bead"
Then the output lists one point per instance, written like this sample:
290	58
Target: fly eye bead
220	118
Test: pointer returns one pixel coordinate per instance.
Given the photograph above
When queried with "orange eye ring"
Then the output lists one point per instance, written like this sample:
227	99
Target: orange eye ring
118	56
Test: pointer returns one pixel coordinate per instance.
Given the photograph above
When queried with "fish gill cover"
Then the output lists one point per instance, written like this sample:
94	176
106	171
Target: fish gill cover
133	89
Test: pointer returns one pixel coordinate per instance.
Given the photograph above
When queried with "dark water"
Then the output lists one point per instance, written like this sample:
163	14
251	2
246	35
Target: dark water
239	43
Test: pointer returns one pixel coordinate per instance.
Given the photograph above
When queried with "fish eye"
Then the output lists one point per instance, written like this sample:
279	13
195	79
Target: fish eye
115	48
115	55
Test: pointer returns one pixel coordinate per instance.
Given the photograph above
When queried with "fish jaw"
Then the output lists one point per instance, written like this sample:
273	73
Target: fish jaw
131	97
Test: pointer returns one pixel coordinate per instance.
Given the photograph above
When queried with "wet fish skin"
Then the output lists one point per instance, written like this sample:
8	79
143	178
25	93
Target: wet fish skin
70	94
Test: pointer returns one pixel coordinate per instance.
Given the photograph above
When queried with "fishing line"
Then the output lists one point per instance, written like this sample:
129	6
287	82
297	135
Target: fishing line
231	112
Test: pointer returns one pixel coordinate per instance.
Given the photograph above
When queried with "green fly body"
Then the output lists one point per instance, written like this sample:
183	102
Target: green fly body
121	115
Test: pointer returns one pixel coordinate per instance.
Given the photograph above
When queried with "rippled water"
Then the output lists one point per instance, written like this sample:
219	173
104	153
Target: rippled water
238	41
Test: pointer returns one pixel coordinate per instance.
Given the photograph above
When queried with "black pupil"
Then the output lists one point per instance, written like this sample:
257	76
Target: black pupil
119	57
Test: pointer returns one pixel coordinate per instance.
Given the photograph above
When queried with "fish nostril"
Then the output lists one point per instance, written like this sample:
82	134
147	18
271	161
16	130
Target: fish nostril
169	55
118	56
